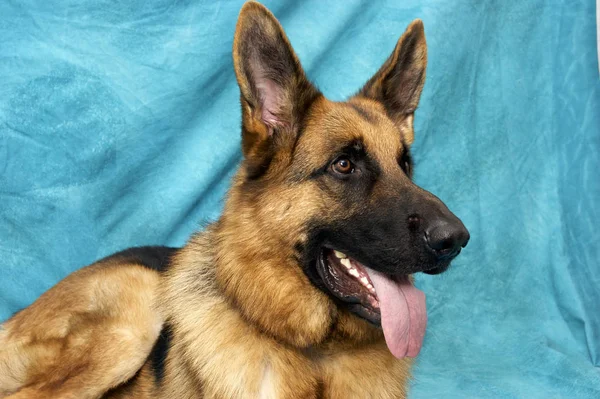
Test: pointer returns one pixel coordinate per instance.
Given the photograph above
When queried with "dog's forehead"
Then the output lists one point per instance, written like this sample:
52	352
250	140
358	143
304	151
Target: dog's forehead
333	125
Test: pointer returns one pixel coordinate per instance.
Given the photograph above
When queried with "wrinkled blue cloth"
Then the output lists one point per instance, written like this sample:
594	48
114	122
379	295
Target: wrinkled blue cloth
119	126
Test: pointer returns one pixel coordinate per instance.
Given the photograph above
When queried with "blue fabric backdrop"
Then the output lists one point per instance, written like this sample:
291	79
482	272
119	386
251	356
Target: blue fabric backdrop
119	126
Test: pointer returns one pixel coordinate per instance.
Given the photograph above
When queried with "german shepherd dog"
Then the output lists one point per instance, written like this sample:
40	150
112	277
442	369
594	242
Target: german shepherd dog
302	288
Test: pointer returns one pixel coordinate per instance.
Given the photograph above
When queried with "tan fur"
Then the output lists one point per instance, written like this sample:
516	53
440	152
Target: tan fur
245	319
90	332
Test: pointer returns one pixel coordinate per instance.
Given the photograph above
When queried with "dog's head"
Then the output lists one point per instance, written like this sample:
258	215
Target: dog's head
329	184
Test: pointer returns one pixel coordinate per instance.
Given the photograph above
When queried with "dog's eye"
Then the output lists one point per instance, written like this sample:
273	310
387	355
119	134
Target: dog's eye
405	162
405	165
343	166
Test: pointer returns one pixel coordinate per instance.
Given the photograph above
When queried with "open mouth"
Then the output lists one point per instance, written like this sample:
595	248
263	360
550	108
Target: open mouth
391	302
349	281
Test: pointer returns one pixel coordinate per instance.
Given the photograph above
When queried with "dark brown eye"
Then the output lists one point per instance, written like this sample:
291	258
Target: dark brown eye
343	166
406	168
405	162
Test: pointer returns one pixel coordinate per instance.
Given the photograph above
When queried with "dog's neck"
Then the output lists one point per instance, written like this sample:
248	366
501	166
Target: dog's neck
258	269
266	285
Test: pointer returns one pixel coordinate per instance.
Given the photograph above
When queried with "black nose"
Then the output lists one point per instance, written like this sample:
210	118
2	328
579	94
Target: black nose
446	237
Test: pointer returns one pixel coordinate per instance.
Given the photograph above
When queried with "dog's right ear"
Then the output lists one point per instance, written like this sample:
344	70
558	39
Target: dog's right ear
275	93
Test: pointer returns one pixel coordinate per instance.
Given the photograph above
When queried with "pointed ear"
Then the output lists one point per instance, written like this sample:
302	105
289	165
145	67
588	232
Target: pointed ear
399	82
275	93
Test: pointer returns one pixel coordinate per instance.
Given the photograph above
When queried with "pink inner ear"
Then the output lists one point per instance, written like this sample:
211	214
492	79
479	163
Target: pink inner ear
271	96
270	101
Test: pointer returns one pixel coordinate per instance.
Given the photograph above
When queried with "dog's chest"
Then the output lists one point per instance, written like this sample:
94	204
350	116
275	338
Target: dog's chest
340	377
274	373
268	388
233	359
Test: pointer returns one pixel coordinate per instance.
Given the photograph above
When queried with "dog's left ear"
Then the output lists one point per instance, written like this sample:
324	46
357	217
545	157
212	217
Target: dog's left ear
399	82
275	93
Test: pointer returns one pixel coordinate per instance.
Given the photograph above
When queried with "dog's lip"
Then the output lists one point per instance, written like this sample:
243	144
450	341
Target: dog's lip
438	269
336	279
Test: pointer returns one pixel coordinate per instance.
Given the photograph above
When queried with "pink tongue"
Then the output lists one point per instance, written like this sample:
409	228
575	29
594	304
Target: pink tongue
403	314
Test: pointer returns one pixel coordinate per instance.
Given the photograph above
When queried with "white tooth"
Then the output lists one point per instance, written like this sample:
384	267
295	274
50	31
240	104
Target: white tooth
340	255
364	280
346	263
353	272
